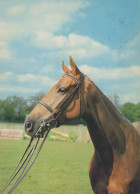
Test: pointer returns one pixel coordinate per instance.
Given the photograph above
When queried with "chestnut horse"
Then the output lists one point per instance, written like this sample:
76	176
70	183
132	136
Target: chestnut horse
115	165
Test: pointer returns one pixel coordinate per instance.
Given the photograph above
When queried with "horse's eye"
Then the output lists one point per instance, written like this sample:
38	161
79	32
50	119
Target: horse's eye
61	90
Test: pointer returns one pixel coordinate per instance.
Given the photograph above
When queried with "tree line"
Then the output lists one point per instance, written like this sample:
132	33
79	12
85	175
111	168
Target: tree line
15	109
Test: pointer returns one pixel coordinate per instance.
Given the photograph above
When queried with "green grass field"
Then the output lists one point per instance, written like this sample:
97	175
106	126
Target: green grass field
61	168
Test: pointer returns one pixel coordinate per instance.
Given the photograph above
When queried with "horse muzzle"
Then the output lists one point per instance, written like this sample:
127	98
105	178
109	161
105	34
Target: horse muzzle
38	129
29	127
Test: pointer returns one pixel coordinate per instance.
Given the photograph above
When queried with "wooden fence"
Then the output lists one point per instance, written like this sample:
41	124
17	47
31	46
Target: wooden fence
10	134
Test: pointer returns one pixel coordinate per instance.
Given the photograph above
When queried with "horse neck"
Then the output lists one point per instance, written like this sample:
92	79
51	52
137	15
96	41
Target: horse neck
103	121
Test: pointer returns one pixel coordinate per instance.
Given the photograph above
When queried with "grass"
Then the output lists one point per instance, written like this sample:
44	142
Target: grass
61	168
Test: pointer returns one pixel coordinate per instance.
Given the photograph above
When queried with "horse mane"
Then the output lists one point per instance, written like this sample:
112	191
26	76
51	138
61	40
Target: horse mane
110	120
109	103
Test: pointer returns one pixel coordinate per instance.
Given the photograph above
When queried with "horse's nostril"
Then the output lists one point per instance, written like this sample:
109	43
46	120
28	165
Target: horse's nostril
29	126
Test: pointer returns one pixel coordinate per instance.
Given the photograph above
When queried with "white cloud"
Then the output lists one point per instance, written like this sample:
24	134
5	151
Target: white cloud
52	15
130	97
30	78
128	90
102	73
17	10
49	16
127	54
131	49
134	42
48	40
8	30
6	76
5	54
17	89
36	78
48	68
3	44
73	44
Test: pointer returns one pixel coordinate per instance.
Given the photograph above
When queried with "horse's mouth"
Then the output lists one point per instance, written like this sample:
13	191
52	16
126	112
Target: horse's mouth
37	129
44	126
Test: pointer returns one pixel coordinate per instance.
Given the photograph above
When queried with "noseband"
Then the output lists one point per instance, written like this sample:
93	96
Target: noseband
51	121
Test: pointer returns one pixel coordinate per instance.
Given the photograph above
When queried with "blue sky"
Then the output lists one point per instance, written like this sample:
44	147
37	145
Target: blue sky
103	36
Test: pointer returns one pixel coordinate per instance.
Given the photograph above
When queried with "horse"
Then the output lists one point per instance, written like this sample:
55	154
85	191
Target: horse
115	165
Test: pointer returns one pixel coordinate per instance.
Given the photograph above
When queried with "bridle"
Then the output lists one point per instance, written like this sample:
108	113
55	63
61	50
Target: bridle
52	120
43	130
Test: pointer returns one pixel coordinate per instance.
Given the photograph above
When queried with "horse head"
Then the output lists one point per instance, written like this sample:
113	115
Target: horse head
60	105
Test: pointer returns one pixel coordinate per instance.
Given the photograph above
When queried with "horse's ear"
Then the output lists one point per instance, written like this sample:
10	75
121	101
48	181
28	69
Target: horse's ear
73	66
65	68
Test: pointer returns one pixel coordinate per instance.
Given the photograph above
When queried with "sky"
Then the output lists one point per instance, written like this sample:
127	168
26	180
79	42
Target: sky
102	36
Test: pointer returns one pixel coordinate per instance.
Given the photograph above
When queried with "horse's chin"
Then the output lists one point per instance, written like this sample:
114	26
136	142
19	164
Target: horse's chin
31	134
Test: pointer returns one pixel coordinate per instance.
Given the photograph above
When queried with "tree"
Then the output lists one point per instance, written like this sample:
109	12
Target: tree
128	110
33	100
137	112
1	102
16	108
13	108
131	111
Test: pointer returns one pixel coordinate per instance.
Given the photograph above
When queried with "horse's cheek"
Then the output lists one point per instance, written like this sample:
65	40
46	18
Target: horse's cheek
73	111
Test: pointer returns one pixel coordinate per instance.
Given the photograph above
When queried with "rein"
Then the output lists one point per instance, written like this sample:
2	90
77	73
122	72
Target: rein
43	130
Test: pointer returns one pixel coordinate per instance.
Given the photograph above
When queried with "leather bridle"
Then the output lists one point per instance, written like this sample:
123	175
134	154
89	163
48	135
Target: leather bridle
25	164
52	120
